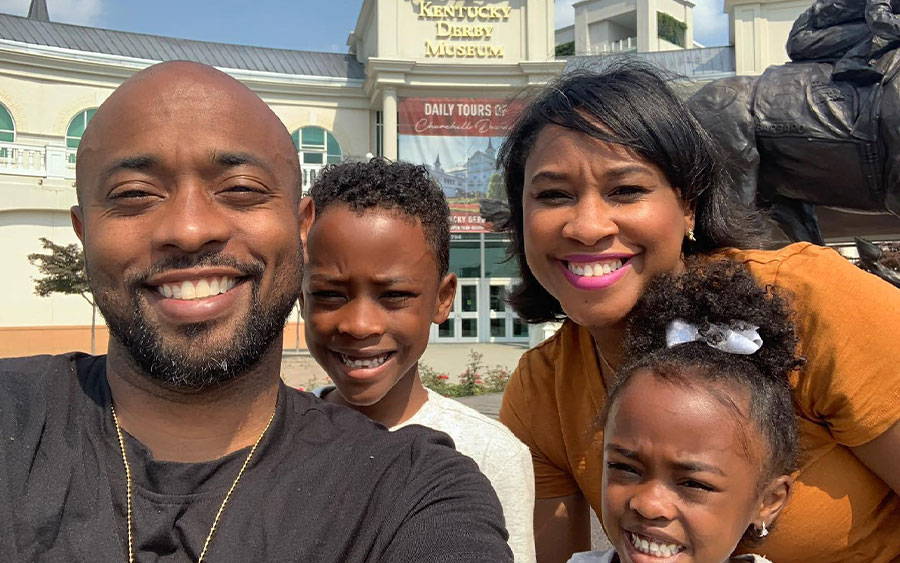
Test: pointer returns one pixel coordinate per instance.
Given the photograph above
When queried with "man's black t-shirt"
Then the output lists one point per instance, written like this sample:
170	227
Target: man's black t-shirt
325	485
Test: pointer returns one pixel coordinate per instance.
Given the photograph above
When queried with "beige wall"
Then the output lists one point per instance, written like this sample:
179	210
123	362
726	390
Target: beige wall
759	31
506	31
42	109
350	126
43	102
33	340
20	231
564	35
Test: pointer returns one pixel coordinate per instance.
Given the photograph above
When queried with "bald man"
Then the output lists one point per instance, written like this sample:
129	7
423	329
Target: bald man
182	444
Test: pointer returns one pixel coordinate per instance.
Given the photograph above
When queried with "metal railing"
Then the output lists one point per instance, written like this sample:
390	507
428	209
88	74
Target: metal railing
310	172
629	44
707	63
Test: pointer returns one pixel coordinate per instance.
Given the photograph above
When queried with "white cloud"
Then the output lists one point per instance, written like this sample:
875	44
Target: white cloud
710	23
81	12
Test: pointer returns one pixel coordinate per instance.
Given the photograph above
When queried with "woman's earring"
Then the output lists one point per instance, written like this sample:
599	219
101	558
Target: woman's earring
763	532
690	235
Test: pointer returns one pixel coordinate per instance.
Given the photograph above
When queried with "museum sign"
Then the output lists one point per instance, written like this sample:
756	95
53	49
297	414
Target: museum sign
463	30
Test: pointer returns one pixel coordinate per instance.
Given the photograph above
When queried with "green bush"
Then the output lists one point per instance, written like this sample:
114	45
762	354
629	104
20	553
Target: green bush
477	379
670	29
565	49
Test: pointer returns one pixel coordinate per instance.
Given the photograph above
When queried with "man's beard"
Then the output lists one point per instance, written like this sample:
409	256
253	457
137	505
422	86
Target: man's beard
193	363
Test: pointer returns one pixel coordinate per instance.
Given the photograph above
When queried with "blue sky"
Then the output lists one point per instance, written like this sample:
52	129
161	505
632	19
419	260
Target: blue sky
314	25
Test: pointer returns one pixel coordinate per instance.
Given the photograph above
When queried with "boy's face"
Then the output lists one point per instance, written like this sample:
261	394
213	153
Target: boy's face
370	293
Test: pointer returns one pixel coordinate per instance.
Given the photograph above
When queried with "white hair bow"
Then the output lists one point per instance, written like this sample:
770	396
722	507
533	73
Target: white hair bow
736	337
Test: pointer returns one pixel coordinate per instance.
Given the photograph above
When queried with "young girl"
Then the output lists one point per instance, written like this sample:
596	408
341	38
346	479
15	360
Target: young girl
699	435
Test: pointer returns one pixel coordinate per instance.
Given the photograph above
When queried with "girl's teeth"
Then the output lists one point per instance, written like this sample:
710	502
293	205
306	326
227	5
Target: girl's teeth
594	268
196	289
653	548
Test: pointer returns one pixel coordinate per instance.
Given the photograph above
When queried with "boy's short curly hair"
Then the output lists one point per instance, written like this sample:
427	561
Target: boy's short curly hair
395	186
720	291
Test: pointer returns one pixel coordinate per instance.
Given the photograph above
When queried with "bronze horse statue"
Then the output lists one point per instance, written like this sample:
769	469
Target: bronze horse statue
795	139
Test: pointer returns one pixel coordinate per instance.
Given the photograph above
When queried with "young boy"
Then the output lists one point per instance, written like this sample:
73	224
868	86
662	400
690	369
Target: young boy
376	277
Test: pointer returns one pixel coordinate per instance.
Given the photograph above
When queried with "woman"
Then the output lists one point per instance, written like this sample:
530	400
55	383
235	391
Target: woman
610	182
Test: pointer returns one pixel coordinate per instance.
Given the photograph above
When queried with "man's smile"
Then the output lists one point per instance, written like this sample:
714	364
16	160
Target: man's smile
195	295
197	289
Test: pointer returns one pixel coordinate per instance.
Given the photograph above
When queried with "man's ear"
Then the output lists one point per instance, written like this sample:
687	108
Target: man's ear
446	294
773	500
78	222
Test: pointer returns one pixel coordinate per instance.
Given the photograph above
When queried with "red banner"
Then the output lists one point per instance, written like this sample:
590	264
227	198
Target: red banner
457	141
458	117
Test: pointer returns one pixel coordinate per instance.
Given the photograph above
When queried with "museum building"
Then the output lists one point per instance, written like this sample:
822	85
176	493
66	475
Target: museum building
425	81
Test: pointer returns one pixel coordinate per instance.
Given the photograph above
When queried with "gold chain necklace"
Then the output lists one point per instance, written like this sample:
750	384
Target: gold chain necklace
215	523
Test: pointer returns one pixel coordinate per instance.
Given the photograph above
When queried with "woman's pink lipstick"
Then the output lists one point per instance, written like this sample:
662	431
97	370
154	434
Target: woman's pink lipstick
594	282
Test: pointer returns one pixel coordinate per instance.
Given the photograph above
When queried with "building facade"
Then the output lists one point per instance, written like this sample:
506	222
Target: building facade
623	26
53	76
422	81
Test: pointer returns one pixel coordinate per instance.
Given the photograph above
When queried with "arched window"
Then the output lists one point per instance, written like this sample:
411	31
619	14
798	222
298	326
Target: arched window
76	130
7	127
77	127
316	146
7	131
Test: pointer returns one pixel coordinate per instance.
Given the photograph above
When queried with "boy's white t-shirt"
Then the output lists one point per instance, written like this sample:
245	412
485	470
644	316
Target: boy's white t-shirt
608	557
500	456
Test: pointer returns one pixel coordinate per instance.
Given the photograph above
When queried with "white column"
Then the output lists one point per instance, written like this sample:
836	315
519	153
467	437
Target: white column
748	49
55	161
689	32
389	117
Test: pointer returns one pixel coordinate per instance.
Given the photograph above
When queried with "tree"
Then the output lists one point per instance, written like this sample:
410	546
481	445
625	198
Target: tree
63	272
565	49
496	189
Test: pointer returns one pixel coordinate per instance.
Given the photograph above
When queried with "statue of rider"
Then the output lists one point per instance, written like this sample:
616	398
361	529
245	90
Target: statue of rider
854	33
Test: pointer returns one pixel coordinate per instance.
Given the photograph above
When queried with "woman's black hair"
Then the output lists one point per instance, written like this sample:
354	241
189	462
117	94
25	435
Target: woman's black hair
720	291
627	103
